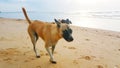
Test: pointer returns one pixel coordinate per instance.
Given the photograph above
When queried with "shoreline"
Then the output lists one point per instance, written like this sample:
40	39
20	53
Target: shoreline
91	48
19	19
102	29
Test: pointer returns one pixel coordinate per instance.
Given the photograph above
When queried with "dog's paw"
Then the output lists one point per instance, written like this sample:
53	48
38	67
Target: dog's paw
37	56
54	62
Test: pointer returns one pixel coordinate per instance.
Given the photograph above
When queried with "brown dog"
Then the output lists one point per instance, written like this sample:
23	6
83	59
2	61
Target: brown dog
49	32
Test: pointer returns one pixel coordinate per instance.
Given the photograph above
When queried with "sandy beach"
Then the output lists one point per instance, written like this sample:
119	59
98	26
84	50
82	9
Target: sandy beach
91	48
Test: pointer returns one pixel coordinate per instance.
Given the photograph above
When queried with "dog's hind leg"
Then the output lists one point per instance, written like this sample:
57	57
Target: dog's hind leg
34	38
34	46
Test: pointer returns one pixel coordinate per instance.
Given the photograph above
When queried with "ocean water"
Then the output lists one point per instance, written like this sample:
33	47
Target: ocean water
109	20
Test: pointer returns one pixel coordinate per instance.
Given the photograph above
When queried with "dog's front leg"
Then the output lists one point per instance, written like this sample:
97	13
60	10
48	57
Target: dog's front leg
51	56
53	48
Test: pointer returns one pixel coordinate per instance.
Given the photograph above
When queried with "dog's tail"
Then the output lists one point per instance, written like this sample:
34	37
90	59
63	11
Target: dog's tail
26	16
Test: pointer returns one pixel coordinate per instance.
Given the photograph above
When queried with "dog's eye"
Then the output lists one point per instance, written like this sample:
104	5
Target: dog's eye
65	31
69	29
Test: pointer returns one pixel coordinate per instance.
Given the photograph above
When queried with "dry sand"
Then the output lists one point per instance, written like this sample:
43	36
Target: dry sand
91	48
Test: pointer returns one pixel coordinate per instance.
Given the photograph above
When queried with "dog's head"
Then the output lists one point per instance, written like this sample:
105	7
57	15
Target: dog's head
66	31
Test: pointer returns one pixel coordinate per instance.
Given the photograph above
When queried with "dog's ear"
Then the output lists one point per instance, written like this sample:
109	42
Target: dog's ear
57	22
68	21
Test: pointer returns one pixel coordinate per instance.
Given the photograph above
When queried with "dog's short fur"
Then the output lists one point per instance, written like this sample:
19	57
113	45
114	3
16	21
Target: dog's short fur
49	32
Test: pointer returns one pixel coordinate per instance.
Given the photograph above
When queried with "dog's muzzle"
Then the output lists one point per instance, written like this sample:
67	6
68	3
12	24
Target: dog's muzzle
70	39
67	35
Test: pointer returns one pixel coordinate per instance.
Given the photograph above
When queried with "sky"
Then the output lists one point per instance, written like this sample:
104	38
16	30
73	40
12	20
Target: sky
59	5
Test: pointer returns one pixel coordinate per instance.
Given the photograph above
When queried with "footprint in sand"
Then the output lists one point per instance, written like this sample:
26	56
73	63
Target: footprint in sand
38	66
7	59
30	58
9	52
116	66
2	39
5	39
48	54
26	60
118	49
65	46
75	61
100	66
71	48
87	39
118	36
8	55
87	57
